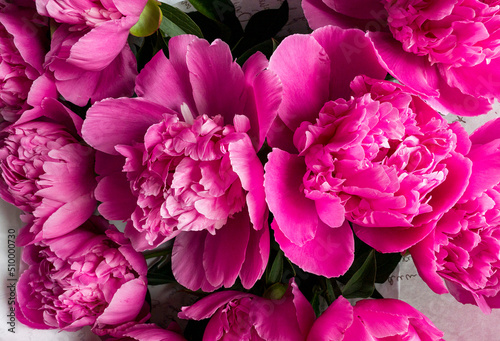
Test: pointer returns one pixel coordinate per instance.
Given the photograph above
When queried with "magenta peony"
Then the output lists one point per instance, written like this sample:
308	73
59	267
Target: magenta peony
373	320
22	49
446	51
241	316
382	159
184	165
462	255
88	277
48	172
89	48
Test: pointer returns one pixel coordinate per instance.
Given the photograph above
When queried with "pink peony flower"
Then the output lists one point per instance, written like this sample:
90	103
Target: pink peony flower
373	320
146	332
185	165
383	160
22	49
447	51
462	255
241	316
88	277
47	172
89	48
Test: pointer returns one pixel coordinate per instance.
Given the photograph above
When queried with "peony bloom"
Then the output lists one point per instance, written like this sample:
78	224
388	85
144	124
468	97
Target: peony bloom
47	172
241	316
182	161
373	320
382	159
88	277
462	255
22	49
446	51
146	332
89	48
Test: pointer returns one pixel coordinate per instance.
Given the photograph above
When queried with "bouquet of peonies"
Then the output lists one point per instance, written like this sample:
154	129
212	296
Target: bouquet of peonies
273	179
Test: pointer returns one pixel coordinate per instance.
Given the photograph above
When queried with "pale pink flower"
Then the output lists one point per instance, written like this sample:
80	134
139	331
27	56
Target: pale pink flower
181	161
373	320
91	276
241	316
47	171
382	159
447	51
462	255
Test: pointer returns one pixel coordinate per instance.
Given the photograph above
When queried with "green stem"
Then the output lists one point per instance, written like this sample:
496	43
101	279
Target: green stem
157	253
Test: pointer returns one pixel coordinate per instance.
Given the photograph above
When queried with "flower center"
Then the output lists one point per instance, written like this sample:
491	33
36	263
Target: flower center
453	34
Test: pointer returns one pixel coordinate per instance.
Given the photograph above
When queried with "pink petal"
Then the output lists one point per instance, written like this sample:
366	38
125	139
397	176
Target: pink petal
280	136
329	254
208	305
132	8
174	82
487	132
41	88
411	70
295	214
218	81
125	304
304	69
256	257
361	9
248	167
265	93
187	261
424	259
117	201
304	310
224	252
330	210
119	121
318	14
97	49
351	54
333	322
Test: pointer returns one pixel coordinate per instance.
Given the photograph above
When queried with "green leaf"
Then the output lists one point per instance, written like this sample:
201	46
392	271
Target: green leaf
175	22
214	9
362	283
276	272
266	47
386	263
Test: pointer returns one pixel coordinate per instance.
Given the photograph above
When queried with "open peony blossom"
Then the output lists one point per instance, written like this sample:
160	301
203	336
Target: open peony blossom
48	172
382	159
373	320
22	49
462	255
180	161
90	47
88	277
446	51
240	316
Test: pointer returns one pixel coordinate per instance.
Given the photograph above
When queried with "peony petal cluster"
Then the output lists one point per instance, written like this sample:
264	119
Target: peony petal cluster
242	316
368	320
447	51
22	50
91	276
89	48
185	165
48	172
382	159
462	254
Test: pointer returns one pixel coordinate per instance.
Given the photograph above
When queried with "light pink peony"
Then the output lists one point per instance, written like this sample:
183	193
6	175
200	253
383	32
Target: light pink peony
89	48
447	51
373	320
48	172
382	159
462	255
241	316
22	49
184	165
88	277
